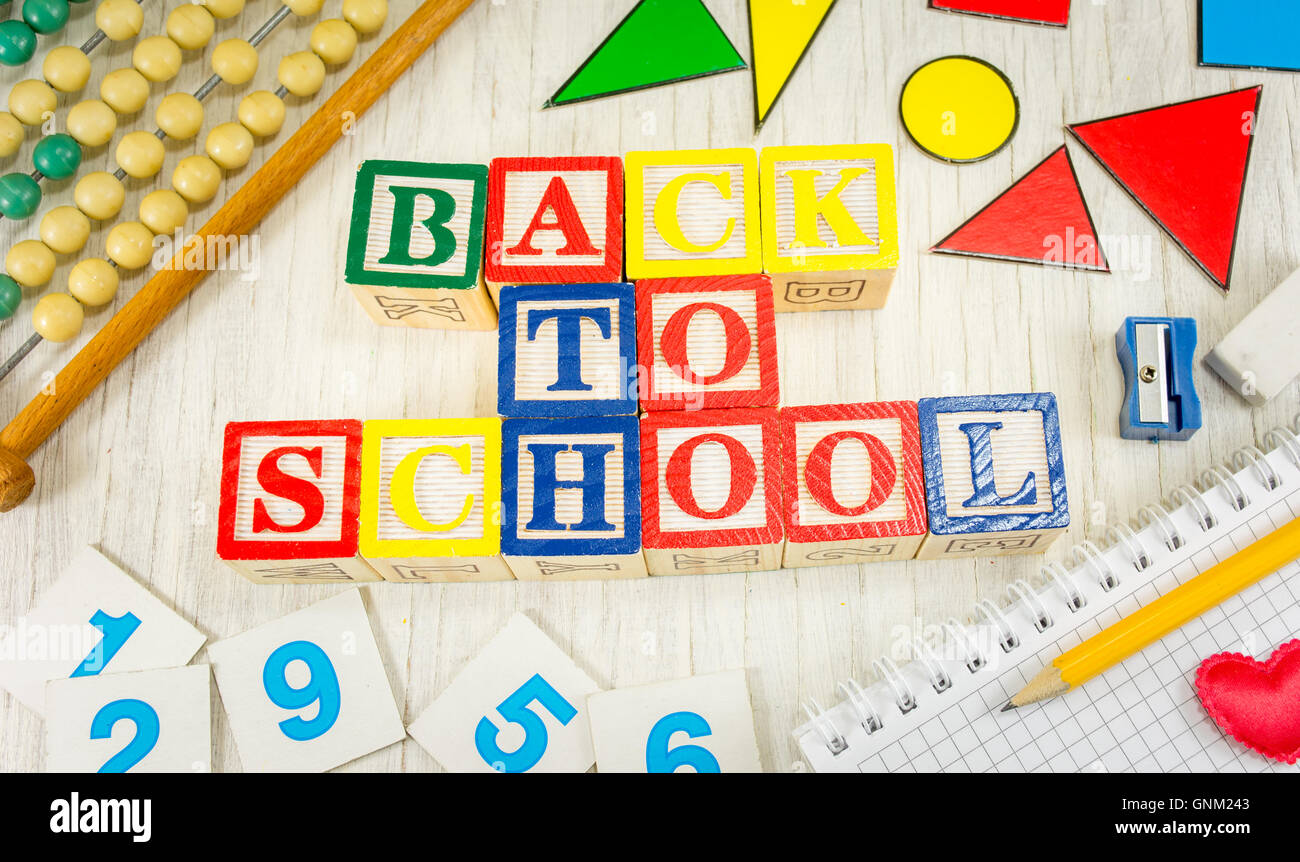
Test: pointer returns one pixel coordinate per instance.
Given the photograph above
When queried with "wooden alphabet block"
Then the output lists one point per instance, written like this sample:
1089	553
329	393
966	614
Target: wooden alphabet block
519	706
711	490
706	342
571	492
830	226
567	350
290	494
698	724
854	488
692	212
554	221
146	721
431	500
994	475
94	618
415	248
307	692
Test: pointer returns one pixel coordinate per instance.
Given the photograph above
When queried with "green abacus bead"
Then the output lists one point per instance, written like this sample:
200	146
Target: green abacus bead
17	43
46	16
10	296
57	156
19	196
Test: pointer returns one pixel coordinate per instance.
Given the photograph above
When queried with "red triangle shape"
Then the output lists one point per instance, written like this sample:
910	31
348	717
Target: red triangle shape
1185	164
1041	219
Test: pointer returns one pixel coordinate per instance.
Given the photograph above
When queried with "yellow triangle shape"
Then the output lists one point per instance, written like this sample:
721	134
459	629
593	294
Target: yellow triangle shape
779	33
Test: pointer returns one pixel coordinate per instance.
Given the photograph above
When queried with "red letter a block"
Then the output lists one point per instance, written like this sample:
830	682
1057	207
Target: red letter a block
854	489
706	342
290	495
711	491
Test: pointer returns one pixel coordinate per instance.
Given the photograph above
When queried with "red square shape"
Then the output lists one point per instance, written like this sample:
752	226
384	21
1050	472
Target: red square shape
741	361
888	429
667	508
570	211
343	471
1053	12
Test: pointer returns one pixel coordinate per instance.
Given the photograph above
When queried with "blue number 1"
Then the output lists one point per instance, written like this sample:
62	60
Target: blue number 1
114	631
145	719
322	687
660	758
516	710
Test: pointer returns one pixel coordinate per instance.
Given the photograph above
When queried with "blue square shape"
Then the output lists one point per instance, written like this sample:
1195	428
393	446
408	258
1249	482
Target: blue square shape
977	487
1251	34
541	330
573	434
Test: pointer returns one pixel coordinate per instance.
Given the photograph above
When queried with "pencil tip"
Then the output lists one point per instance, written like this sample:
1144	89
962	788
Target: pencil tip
1009	705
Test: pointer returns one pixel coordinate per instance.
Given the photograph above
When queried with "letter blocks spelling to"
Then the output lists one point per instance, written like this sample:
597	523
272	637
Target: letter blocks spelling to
854	488
554	221
431	500
415	247
830	226
711	491
706	342
994	475
571	495
289	501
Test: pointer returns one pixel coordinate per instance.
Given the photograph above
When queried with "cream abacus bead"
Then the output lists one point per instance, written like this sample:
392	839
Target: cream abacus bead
92	123
11	134
30	263
163	211
197	178
67	69
262	113
235	61
119	19
301	73
157	58
334	41
365	16
57	317
304	8
179	115
230	145
224	8
129	245
190	26
93	281
124	90
99	195
31	100
65	230
140	154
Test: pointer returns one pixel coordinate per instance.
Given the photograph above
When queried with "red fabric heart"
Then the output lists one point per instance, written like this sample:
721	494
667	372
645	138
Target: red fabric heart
1256	702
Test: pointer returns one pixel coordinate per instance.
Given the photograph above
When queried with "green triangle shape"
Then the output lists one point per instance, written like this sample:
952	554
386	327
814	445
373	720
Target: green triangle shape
659	42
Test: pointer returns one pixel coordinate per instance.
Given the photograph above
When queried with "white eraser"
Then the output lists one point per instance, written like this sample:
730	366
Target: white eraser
1259	357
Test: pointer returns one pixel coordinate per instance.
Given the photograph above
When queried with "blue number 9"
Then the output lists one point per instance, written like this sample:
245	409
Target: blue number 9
515	709
322	688
139	713
660	758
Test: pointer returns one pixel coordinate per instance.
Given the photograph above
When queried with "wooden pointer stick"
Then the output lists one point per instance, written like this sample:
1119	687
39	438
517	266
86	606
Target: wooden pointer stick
236	217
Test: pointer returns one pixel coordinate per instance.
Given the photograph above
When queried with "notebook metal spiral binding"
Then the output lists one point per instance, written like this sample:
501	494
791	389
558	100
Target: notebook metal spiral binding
1054	576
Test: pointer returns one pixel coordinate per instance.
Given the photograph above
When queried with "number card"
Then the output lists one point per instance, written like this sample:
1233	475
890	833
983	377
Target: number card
307	692
567	350
698	724
290	493
94	618
706	342
854	490
146	721
431	500
519	706
994	475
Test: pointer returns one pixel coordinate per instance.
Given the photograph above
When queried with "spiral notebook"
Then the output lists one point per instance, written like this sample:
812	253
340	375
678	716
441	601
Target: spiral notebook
940	712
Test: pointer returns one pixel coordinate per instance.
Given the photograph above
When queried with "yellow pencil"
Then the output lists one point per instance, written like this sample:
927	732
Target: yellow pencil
1143	628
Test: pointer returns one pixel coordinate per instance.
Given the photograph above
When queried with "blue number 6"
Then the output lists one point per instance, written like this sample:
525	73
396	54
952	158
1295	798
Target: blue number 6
146	731
516	710
660	758
322	688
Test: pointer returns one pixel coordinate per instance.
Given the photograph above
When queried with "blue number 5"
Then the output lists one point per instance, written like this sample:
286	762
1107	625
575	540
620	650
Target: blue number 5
322	687
146	731
516	710
114	631
660	758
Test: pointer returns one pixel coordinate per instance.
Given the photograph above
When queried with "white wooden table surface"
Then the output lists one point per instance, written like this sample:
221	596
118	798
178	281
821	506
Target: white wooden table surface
135	470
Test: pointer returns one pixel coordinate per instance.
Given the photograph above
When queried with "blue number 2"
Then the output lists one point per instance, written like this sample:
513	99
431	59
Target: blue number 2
322	687
145	719
660	758
516	710
114	631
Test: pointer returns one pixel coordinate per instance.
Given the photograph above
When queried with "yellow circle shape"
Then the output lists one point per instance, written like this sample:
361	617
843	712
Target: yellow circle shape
959	109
